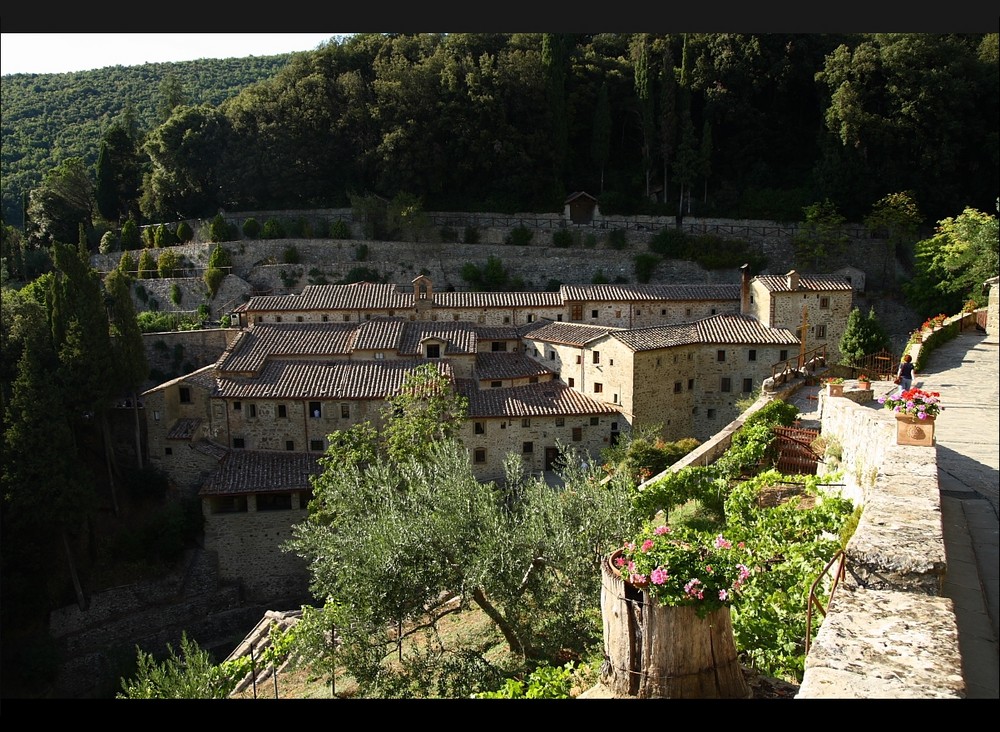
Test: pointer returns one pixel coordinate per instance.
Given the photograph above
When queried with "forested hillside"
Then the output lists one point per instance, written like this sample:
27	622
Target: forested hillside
722	124
48	118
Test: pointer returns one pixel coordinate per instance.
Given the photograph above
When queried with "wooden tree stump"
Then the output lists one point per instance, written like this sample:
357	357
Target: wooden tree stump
657	652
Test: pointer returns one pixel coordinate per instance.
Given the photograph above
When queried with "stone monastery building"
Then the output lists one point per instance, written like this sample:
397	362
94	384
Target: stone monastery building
541	370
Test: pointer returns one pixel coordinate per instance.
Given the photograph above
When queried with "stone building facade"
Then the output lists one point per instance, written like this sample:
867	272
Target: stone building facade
543	373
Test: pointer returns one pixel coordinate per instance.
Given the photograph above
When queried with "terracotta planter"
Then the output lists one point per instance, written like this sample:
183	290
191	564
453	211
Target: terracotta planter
913	431
864	385
835	390
652	651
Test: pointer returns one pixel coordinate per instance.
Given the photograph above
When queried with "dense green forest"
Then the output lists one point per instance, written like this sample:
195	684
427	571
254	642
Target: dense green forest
722	124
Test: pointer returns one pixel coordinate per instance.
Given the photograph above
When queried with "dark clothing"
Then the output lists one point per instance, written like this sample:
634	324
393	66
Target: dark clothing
906	370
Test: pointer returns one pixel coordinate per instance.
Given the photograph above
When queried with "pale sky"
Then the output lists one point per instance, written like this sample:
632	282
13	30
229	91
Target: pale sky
59	53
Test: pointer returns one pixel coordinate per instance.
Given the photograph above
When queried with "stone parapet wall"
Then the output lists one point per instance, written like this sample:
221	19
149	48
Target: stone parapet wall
888	632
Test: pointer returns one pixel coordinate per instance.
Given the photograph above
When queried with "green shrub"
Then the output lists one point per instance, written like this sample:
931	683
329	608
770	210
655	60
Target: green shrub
519	236
130	237
219	230
361	253
290	256
645	265
297	229
109	243
590	241
184	232
168	263
339	229
175	294
617	239
671	243
273	229
562	238
599	278
251	228
213	280
471	235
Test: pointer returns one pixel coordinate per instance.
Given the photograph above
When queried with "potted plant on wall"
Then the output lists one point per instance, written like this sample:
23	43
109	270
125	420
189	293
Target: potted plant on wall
864	382
915	411
834	386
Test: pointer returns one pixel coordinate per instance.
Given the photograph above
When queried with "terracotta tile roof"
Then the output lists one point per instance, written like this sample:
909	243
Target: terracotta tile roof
184	429
814	283
290	379
380	334
355	296
508	366
262	340
628	293
460	337
497	333
728	328
262	471
532	400
471	300
211	448
570	334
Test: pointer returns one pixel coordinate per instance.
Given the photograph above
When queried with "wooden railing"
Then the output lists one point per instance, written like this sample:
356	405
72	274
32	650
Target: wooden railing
803	364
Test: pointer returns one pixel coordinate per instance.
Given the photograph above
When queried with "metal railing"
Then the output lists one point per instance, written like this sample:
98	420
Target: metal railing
840	559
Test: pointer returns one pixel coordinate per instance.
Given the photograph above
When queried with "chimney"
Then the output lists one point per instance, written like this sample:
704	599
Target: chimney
745	289
792	280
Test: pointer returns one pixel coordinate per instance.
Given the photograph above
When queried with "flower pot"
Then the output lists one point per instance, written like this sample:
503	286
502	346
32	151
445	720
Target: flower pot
864	385
654	651
835	390
913	431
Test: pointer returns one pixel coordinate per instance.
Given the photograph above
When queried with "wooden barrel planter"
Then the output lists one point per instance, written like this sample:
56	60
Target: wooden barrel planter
653	651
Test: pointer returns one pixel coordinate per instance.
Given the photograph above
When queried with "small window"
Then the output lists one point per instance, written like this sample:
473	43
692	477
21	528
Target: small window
237	406
532	379
726	384
711	414
479	428
290	445
559	318
597	356
314	410
260	318
677	387
594	421
527	447
821	331
783	354
618	313
282	411
752	354
347	318
690	384
156	415
325	318
824	303
185	395
571	381
316	445
298	318
687	312
433	350
168	451
479	456
611	362
577	434
499	346
345	411
277	319
593	313
747	386
525	422
506	320
252	411
598	387
579	358
531	317
455	316
552	355
694	410
238	443
720	355
560	421
496	384
713	311
615	399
